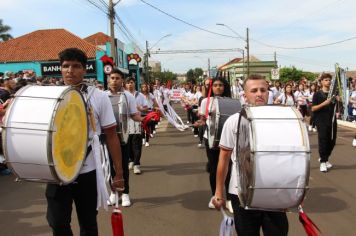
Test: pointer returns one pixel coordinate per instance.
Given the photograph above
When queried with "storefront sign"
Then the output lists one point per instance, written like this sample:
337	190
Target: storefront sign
54	68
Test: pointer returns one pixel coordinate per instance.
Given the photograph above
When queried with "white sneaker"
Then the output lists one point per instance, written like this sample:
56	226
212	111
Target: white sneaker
192	129
143	141
195	135
199	145
211	205
111	201
310	128
314	130
187	122
354	142
328	165
229	206
125	200
151	135
154	132
147	144
323	167
137	169
131	165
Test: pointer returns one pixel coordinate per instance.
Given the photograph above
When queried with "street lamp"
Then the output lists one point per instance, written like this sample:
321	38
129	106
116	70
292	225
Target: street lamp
247	46
147	55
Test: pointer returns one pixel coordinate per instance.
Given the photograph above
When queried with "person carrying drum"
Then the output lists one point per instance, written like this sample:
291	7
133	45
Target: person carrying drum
248	222
115	83
220	87
84	190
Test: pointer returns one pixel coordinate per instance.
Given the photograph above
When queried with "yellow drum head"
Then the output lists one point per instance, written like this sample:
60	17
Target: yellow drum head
70	137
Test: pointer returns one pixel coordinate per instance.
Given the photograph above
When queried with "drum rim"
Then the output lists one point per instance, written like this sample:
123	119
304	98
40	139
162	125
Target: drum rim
50	136
246	113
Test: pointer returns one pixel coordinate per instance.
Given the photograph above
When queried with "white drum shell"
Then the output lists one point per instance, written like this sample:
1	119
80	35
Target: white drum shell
280	156
32	133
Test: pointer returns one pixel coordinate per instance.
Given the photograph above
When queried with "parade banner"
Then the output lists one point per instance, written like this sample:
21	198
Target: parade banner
176	95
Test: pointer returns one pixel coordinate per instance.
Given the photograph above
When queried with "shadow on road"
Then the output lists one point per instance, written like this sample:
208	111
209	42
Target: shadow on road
319	201
178	169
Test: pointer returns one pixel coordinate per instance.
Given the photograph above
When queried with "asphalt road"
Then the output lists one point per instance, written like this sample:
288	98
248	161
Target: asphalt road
171	196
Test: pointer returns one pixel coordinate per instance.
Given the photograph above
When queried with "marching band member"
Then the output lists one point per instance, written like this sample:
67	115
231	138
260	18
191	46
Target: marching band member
115	84
84	191
301	95
286	98
201	129
135	137
151	105
248	222
325	120
221	88
312	91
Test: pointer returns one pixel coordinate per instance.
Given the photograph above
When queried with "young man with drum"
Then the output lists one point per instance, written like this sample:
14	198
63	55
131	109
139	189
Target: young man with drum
116	86
83	191
248	222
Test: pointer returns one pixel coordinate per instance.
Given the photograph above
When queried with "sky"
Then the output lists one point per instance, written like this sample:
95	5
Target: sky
273	26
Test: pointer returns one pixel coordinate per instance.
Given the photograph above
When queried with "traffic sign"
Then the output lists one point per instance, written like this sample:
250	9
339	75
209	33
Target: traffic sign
107	69
275	74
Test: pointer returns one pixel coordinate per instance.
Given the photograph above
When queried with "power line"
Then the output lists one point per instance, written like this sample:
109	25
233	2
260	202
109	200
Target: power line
95	4
196	51
257	41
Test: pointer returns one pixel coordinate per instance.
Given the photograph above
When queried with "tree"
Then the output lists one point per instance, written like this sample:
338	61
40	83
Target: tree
4	36
164	76
291	73
194	74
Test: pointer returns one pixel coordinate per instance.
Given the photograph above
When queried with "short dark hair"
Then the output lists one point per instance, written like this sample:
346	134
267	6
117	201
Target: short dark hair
128	79
326	76
254	77
73	54
119	72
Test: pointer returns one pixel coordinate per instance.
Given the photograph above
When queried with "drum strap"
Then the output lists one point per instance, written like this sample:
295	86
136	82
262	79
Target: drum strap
209	95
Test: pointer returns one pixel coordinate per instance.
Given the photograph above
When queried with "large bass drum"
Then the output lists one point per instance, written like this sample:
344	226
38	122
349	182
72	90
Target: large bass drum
220	109
120	106
273	156
45	134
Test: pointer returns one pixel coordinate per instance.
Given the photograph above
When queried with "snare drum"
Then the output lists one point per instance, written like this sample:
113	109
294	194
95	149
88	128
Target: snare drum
122	115
220	109
45	134
273	156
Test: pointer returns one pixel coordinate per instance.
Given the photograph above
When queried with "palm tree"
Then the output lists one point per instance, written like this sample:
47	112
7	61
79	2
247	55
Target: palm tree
3	29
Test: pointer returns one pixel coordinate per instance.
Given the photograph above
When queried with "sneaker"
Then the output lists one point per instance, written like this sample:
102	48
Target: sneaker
211	205
328	165
151	135
131	165
354	142
143	141
195	135
187	122
199	145
137	169
125	200
192	129
323	167
310	128
154	132
147	144
314	130
229	206
111	201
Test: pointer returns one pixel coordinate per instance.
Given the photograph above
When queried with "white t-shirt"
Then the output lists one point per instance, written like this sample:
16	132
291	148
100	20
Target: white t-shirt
301	97
288	102
131	102
202	111
104	118
150	98
353	97
276	92
197	95
134	126
166	96
228	141
270	97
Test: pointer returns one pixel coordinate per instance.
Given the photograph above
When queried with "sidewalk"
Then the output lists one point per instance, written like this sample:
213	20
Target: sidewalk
347	124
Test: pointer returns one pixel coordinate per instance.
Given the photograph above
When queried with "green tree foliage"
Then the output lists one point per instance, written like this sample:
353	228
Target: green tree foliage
293	74
4	36
164	76
193	75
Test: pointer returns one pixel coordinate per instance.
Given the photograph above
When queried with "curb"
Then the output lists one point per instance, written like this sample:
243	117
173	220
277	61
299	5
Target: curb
347	124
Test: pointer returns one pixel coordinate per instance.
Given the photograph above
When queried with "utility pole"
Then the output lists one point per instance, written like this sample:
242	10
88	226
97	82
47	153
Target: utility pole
145	65
209	67
275	60
248	52
112	31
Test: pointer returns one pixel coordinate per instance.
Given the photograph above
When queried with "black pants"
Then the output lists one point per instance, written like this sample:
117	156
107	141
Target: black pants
189	115
59	209
145	134
201	131
312	121
135	148
326	139
249	222
213	161
303	110
194	117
